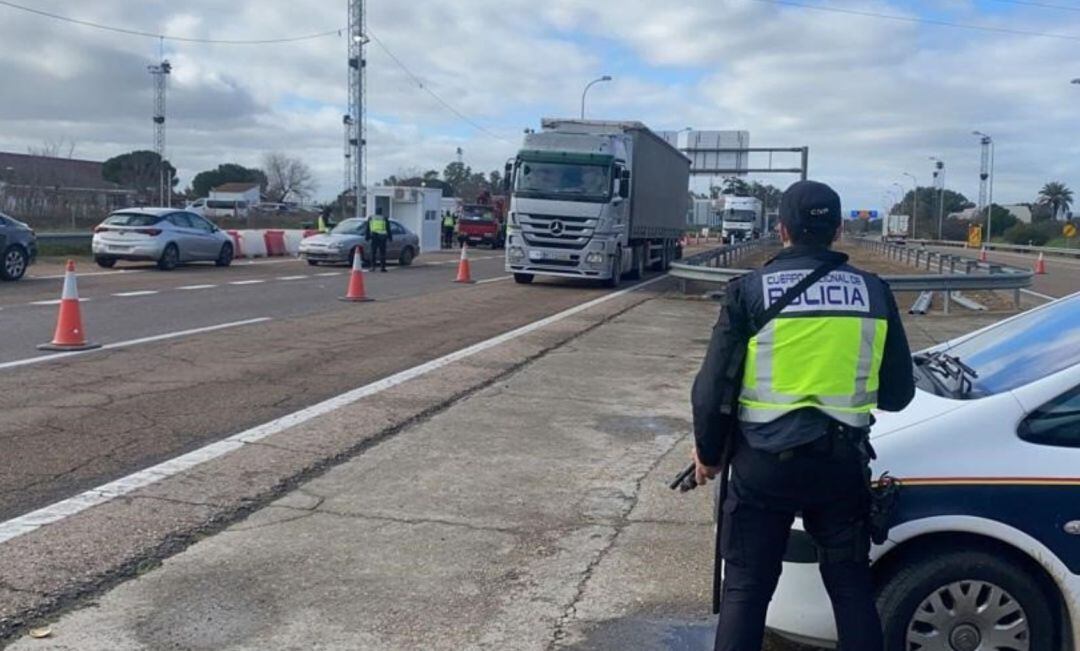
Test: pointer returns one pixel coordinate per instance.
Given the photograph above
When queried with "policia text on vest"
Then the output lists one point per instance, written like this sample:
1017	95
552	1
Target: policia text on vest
793	419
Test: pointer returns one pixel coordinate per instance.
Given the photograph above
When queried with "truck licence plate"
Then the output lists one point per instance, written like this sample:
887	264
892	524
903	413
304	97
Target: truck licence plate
536	256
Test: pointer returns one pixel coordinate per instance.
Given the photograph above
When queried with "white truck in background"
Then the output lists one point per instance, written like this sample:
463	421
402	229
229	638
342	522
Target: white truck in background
741	218
895	228
595	199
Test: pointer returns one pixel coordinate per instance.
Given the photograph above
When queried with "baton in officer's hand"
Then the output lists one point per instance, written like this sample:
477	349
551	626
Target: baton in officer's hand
686	480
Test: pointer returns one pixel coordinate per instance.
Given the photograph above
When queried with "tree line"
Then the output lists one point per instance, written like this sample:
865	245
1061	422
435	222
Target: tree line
926	205
280	177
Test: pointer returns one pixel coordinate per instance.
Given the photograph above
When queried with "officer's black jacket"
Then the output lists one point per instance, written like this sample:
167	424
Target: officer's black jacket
744	305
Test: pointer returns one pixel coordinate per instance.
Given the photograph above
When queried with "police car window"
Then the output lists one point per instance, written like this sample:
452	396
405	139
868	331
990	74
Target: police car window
1056	423
1026	348
396	229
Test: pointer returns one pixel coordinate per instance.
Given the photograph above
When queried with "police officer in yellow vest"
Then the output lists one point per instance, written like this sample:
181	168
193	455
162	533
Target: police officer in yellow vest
323	223
378	235
448	230
812	375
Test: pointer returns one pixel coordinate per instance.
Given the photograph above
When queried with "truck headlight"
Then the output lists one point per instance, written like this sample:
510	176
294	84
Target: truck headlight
516	253
594	258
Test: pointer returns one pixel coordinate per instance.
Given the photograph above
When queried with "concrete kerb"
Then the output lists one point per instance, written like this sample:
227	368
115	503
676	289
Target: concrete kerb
135	532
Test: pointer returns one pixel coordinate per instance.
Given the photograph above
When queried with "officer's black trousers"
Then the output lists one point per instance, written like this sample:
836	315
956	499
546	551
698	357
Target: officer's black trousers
378	250
825	482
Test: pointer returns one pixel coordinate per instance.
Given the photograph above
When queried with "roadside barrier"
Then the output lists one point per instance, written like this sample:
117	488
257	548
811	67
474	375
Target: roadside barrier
275	243
238	244
356	292
464	273
69	333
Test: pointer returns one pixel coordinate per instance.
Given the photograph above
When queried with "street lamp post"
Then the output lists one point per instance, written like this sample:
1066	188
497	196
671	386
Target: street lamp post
989	140
914	201
586	91
939	174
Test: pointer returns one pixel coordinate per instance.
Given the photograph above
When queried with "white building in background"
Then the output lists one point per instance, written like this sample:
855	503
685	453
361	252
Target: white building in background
418	209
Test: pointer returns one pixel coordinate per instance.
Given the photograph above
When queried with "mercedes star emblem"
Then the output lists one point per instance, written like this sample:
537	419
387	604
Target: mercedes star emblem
557	227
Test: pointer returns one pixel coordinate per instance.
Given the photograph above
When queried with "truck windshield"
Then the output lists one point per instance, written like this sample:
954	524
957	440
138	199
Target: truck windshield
740	216
564	181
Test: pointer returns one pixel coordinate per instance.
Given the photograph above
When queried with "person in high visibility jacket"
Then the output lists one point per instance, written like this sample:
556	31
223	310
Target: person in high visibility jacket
448	230
378	234
810	380
323	223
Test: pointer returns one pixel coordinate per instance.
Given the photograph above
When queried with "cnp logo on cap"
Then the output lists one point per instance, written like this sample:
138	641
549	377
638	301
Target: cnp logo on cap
810	206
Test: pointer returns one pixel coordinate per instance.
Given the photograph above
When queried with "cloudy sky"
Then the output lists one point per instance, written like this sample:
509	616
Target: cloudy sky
872	97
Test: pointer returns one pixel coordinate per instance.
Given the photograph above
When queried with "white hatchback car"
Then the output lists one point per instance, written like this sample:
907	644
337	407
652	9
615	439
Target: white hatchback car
985	551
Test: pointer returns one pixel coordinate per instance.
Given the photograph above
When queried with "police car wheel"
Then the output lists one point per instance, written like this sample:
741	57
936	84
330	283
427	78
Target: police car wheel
965	601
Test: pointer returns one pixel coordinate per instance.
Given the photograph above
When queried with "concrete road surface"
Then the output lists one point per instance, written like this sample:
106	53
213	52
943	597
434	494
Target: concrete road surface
1062	277
78	421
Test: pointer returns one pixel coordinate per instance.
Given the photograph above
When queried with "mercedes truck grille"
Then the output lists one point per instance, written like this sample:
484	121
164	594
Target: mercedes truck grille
557	232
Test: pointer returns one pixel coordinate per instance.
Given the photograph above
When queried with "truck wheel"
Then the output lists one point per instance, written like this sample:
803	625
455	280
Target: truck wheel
637	272
965	600
523	279
616	271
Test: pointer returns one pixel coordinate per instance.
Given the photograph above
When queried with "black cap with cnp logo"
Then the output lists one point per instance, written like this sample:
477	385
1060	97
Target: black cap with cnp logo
810	207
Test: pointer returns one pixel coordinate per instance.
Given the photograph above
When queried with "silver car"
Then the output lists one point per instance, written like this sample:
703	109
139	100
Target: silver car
339	245
167	236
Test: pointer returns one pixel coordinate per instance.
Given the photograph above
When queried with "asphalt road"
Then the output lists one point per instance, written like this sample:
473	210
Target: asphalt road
72	423
1062	277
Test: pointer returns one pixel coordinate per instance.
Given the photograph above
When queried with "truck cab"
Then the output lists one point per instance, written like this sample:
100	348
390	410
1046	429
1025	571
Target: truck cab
595	200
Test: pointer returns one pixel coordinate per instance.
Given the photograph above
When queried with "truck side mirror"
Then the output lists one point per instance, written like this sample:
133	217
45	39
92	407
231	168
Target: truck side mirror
624	184
508	176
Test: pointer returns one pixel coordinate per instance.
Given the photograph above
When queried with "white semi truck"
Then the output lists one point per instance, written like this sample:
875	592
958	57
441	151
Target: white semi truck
595	199
741	218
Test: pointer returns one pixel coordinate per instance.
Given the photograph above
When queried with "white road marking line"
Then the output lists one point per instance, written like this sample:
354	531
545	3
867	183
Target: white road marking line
1045	297
189	287
291	277
331	273
107	492
90	273
129	343
145	292
266	261
493	280
247	282
55	301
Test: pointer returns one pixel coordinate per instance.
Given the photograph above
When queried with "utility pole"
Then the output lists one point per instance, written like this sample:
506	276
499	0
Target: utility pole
356	123
914	201
939	181
348	184
161	73
986	181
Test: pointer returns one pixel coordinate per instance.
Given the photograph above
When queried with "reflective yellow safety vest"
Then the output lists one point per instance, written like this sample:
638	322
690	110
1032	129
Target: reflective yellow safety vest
830	363
448	221
378	225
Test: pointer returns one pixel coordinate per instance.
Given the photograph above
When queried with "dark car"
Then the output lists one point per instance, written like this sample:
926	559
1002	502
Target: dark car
18	245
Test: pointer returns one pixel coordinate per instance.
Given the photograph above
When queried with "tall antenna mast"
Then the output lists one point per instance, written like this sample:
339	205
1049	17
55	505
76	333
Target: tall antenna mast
355	119
161	73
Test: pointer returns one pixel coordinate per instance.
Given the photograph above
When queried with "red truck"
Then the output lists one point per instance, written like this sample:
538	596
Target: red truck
483	222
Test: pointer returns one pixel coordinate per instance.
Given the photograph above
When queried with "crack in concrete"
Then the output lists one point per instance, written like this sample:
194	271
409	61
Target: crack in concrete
569	615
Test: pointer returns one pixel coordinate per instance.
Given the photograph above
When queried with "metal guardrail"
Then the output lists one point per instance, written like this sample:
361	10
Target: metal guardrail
999	246
712	266
954	273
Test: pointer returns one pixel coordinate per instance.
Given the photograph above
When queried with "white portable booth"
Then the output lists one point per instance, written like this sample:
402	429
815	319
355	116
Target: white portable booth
418	209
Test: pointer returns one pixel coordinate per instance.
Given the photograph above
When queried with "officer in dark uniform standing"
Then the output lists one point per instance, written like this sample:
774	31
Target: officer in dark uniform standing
812	375
378	235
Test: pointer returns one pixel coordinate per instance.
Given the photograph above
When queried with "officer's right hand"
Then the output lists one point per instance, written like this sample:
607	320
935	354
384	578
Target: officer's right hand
702	472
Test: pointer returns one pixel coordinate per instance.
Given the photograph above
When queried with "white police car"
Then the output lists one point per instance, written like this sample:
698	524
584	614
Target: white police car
985	552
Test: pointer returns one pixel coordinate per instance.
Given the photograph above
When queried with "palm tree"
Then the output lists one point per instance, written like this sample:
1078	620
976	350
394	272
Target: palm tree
1057	197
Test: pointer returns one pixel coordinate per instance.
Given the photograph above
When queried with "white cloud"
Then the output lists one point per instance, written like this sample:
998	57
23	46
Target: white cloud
872	98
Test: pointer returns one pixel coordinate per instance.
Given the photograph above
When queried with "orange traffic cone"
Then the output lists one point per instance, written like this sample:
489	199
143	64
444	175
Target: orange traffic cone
1040	264
464	274
356	292
69	331
982	255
